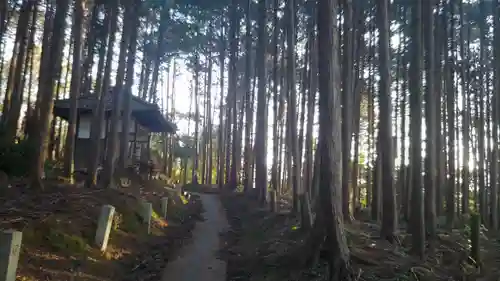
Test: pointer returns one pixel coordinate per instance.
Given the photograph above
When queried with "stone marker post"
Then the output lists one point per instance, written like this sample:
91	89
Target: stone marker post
164	206
146	214
104	226
10	248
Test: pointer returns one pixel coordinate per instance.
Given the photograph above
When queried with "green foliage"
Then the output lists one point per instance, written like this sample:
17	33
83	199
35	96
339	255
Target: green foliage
183	199
15	156
240	188
183	146
155	215
51	167
176	174
117	221
130	222
183	152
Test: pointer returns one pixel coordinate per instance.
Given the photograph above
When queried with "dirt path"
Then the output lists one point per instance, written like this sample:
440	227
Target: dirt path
198	260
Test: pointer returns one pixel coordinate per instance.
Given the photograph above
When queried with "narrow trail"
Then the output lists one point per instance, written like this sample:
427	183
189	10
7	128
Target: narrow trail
198	260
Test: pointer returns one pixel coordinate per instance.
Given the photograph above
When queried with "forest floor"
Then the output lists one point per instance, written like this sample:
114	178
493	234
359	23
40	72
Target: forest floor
59	225
266	246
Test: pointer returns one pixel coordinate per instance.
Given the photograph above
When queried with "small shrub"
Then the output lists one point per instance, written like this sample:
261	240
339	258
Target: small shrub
51	168
65	243
15	156
155	215
183	199
130	223
117	221
31	235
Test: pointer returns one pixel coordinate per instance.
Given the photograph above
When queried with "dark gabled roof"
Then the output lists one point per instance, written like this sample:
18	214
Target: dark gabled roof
147	114
89	101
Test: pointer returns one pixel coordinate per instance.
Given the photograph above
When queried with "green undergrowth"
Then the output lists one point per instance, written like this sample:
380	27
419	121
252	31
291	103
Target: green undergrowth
57	240
73	240
127	221
59	233
64	235
67	243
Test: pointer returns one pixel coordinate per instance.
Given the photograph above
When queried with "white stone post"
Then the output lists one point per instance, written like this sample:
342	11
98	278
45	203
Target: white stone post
146	214
10	248
104	226
164	207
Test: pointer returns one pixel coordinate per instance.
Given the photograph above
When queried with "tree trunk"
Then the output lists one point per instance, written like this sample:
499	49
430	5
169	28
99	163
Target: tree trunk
276	81
234	28
430	118
117	107
389	214
483	205
465	117
91	41
311	108
330	143
129	81
248	181
194	175
496	115
77	34
261	129
298	193
209	121
450	106
28	64
46	94
165	14
16	98
221	141
347	74
417	210
95	156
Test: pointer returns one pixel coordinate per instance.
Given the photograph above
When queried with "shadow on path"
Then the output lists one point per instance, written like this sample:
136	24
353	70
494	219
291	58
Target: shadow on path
199	259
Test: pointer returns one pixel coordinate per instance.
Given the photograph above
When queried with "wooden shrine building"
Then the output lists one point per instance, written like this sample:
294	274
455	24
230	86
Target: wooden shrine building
146	119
